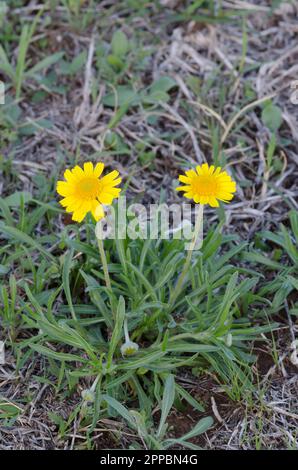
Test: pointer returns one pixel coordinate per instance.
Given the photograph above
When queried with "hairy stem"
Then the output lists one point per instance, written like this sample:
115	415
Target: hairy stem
198	235
104	264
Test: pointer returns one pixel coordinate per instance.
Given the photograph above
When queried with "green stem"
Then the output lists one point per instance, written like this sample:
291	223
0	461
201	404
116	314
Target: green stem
126	334
198	231
106	274
104	264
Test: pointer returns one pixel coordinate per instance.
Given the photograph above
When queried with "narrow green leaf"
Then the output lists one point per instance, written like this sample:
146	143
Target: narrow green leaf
121	410
44	64
167	402
56	355
19	236
65	278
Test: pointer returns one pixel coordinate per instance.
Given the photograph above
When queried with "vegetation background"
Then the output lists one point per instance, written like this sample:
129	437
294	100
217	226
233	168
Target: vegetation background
150	88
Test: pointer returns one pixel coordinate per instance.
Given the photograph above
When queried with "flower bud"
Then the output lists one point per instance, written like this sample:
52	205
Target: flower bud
88	395
129	348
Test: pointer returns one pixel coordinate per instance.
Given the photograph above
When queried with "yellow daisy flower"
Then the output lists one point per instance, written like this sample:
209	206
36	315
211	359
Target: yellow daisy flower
207	185
84	191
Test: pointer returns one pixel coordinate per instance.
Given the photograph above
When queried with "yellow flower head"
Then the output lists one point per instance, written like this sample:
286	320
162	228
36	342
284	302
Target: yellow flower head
207	185
84	191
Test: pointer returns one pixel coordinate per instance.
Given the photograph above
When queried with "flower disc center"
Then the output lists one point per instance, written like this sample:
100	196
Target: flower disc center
89	188
204	185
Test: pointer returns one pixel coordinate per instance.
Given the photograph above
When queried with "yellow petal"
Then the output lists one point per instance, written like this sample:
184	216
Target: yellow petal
79	215
199	170
183	188
115	182
213	202
78	172
191	173
69	176
184	179
205	169
110	177
88	168
97	211
227	186
98	169
64	189
76	205
106	198
225	196
224	177
68	201
112	191
189	195
204	199
115	191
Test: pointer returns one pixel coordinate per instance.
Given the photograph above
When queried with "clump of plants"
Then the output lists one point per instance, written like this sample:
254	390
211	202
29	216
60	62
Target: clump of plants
121	319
